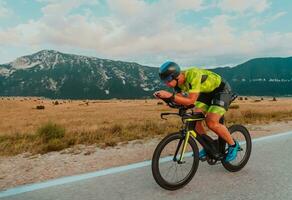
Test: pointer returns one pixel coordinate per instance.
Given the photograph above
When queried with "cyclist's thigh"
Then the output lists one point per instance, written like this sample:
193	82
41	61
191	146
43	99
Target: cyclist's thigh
199	110
220	103
203	102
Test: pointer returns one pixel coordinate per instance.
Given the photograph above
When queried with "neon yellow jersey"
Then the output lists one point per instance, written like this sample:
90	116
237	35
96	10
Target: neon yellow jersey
200	80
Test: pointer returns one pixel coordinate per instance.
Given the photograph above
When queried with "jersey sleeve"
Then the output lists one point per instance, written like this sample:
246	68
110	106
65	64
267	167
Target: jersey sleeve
194	81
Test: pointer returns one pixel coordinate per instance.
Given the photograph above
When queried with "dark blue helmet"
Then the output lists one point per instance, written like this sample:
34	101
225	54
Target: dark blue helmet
169	71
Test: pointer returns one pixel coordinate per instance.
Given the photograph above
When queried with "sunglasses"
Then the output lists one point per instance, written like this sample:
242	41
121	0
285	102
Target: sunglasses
168	79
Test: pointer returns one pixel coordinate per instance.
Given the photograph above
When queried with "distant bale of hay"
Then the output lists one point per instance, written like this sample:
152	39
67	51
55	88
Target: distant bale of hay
257	100
159	103
234	106
240	98
262	98
245	98
56	102
40	107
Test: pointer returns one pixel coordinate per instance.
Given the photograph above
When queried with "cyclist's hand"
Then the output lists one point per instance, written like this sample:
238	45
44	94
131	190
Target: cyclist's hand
162	94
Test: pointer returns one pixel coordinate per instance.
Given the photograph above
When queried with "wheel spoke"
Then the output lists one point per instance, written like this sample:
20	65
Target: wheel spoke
171	171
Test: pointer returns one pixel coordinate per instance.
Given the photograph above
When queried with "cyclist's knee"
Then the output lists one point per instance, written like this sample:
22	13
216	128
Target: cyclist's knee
212	124
199	124
199	127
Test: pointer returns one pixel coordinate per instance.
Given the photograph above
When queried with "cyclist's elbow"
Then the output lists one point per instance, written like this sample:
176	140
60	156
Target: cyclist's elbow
191	102
193	98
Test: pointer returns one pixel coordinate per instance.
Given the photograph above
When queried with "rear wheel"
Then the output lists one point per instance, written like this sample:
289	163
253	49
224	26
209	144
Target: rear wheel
240	134
166	170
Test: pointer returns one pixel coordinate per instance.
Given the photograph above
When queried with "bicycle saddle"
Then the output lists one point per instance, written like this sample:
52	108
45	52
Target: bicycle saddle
194	115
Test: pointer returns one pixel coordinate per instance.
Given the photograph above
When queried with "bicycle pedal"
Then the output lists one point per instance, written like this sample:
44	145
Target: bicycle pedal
203	159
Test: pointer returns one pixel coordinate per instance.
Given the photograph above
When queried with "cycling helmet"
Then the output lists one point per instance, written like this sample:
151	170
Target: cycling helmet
169	71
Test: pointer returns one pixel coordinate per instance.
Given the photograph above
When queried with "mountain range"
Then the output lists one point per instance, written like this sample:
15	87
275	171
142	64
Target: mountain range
53	74
260	77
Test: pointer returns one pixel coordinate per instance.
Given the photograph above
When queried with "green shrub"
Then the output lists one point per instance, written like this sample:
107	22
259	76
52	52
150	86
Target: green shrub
51	131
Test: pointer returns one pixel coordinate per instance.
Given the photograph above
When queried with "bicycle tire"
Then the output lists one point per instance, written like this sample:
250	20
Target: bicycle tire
156	157
228	165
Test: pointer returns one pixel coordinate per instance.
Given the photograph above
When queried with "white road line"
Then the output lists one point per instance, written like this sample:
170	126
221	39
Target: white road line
70	179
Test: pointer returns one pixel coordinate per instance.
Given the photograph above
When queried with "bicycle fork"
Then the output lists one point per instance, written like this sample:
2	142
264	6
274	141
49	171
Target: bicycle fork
185	141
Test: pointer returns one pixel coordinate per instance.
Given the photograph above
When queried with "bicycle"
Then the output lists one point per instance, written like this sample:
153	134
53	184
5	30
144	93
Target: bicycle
182	156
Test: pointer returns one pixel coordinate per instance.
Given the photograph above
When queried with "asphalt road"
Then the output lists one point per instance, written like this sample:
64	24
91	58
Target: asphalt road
268	175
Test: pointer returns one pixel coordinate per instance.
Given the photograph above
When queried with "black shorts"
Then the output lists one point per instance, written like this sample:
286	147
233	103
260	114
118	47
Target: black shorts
216	101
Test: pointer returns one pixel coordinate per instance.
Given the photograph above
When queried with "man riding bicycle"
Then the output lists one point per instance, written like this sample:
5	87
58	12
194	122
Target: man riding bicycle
210	94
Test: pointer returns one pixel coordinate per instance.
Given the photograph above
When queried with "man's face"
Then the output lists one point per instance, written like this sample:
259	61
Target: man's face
171	83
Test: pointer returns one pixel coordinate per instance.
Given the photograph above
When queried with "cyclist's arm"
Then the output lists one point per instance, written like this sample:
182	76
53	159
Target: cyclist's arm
186	101
194	80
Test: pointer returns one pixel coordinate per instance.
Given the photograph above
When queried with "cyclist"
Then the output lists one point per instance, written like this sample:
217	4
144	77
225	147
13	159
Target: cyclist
210	94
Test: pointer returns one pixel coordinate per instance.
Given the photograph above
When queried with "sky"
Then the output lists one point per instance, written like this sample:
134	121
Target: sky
203	33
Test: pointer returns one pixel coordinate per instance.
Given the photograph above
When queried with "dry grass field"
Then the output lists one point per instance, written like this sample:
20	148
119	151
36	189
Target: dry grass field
106	123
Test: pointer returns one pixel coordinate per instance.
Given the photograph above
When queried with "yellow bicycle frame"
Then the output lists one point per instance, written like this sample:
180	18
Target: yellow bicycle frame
189	133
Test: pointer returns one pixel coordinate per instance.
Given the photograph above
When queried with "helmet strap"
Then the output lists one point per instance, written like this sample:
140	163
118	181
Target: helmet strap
176	82
176	88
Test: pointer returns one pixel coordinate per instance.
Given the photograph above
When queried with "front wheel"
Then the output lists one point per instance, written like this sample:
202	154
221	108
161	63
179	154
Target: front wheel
240	134
167	171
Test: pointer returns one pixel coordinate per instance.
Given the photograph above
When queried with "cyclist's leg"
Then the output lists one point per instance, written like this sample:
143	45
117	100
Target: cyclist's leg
199	124
200	107
200	130
212	121
219	105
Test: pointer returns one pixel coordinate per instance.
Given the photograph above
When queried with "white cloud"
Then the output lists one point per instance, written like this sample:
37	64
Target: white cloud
63	7
257	22
188	4
5	12
147	33
244	5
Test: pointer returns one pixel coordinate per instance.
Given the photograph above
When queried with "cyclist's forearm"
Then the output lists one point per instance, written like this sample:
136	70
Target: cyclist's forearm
191	99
